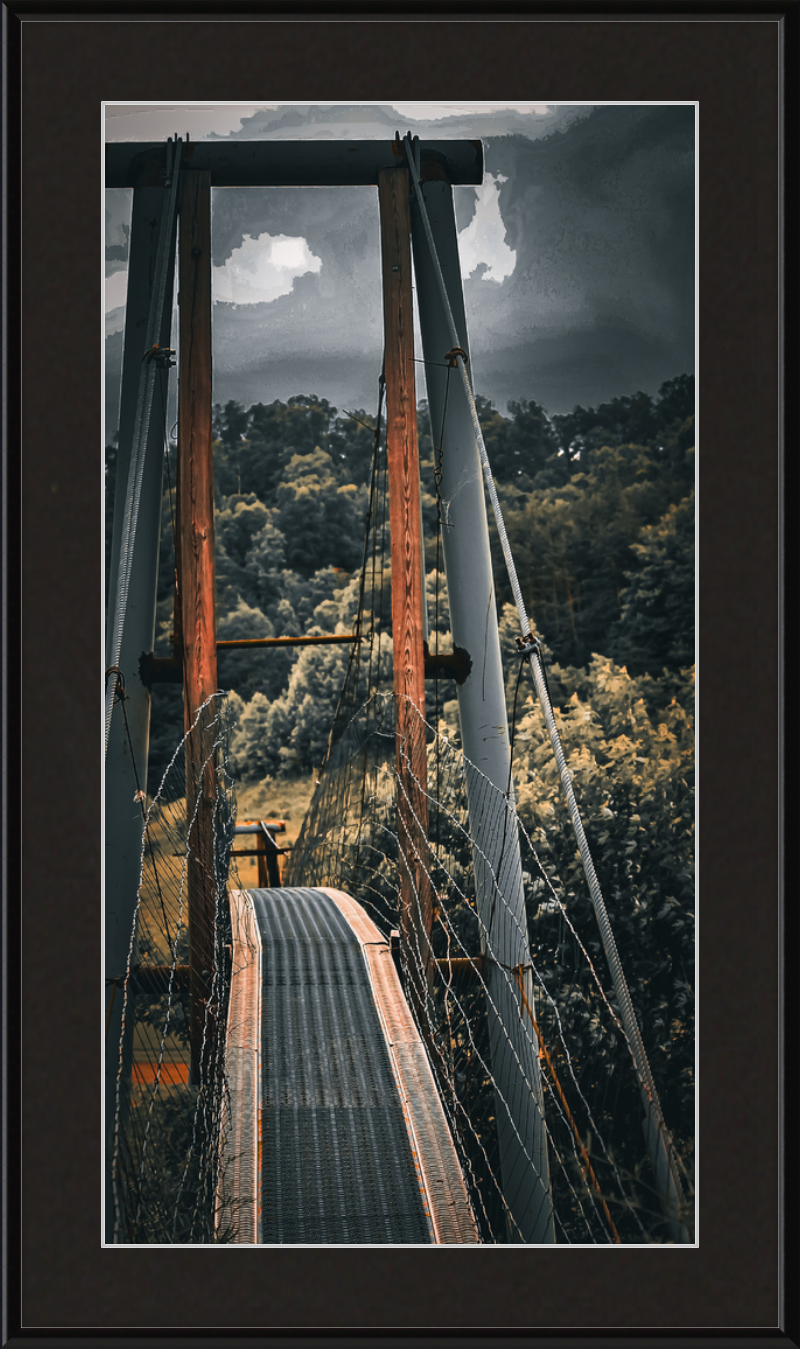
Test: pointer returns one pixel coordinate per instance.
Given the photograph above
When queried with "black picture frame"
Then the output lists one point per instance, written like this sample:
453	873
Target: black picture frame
61	61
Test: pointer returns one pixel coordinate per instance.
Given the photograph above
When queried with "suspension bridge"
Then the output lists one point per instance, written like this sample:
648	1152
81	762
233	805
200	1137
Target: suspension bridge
400	1035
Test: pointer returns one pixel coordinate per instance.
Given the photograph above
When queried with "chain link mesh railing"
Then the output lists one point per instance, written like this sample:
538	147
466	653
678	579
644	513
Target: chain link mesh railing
601	1183
170	1113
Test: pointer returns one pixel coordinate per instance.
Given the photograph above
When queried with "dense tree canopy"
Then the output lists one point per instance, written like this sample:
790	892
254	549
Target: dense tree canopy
599	507
600	513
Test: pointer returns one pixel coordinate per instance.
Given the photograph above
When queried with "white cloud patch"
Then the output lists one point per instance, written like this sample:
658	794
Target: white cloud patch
484	239
263	268
116	289
115	320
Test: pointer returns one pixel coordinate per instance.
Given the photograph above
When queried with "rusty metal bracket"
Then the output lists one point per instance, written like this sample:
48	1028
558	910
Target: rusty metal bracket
160	669
455	664
169	669
259	852
471	966
157	979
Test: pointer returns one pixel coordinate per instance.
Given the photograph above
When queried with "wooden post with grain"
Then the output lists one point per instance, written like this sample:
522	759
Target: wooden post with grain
196	575
407	580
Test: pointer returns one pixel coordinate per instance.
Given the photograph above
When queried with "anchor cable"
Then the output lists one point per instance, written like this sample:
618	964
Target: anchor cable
664	1160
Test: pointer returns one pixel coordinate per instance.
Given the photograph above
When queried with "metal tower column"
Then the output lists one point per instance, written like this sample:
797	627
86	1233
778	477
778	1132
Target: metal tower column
484	731
123	815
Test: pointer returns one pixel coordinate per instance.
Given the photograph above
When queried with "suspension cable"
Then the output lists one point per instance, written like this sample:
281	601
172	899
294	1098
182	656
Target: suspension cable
531	649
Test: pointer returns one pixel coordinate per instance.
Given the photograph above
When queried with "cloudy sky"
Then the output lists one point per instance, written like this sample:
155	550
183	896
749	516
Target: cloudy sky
577	252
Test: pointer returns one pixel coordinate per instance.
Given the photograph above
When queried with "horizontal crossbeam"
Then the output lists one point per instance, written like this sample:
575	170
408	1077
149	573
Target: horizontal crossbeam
169	669
292	163
244	643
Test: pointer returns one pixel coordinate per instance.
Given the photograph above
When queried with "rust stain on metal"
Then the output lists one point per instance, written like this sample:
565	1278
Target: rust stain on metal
455	664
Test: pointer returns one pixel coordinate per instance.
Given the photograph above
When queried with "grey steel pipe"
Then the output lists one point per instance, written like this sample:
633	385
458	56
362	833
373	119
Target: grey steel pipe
484	730
657	1136
141	430
123	818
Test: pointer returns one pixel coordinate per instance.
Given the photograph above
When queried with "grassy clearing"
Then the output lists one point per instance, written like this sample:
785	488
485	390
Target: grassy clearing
271	799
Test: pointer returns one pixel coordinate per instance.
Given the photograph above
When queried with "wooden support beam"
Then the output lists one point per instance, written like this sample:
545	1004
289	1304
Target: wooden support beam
261	852
408	590
268	867
196	571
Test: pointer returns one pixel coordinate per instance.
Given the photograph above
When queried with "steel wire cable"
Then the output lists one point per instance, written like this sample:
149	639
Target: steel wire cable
325	856
533	1044
675	1195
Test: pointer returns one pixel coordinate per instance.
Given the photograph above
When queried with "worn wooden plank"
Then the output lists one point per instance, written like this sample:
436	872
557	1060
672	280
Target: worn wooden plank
196	571
407	579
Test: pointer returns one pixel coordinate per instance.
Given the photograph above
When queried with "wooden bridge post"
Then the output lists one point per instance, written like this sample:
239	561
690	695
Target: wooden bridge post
196	577
408	583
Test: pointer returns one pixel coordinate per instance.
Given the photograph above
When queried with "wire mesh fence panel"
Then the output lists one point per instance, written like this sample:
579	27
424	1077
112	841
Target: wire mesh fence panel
171	1117
599	1173
176	1174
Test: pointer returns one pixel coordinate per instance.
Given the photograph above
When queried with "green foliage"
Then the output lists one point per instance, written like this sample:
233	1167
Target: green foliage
264	670
636	418
597	507
166	731
523	449
575	545
629	746
253	449
657	621
240	521
321	519
290	735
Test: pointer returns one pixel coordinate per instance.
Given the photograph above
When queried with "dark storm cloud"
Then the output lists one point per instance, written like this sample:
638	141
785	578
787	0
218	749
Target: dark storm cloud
601	300
598	204
326	336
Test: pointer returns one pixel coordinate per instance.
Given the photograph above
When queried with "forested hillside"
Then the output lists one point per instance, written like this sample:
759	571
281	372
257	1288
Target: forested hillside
599	507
